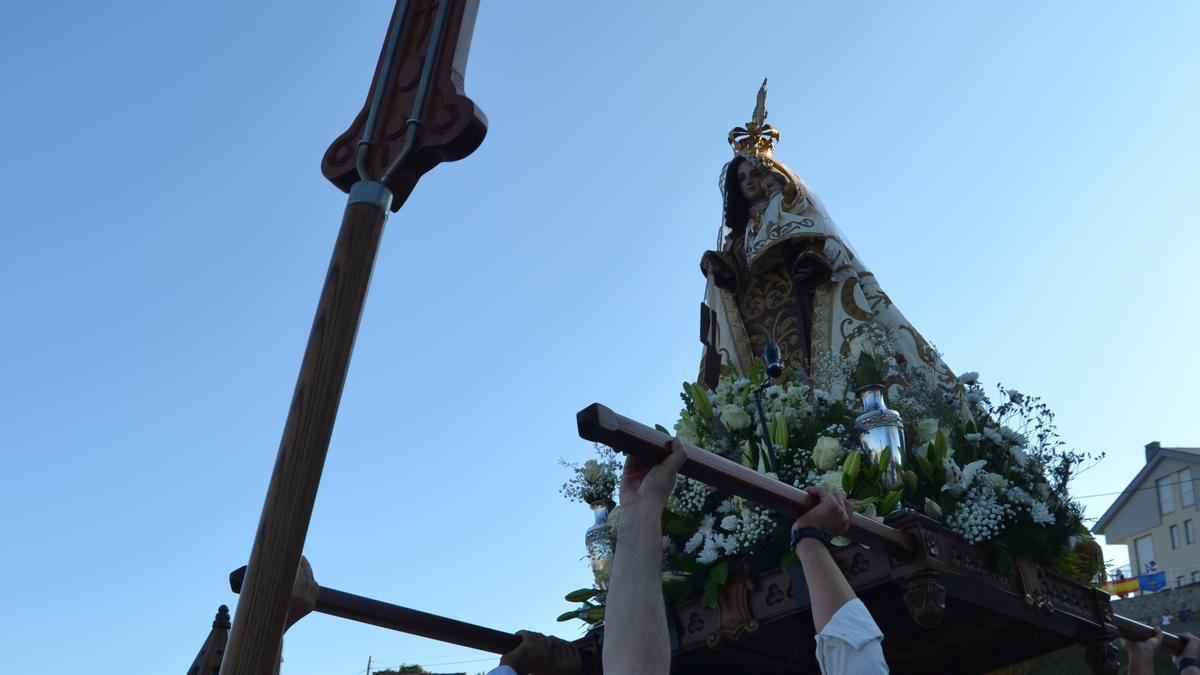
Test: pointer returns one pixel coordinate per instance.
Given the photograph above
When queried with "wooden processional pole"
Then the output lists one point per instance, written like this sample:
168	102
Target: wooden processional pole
415	117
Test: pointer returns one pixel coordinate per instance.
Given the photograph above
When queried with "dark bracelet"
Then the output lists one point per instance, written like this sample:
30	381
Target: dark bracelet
808	533
1189	661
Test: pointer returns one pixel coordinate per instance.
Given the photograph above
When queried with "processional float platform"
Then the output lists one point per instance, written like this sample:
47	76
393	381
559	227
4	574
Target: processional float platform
944	606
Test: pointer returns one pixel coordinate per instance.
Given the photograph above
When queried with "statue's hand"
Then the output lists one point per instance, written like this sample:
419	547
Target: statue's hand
715	264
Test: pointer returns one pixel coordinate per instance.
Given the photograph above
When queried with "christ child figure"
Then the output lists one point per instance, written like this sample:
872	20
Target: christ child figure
773	183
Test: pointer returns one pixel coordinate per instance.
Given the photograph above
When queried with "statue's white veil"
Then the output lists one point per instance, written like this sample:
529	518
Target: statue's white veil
830	226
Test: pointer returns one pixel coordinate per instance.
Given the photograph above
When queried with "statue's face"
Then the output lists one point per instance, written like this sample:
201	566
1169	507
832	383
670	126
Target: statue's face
749	182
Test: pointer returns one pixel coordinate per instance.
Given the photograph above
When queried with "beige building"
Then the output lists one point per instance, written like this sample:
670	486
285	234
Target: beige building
1156	516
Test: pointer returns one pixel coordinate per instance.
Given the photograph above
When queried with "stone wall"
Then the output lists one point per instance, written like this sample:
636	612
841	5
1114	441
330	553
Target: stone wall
1149	608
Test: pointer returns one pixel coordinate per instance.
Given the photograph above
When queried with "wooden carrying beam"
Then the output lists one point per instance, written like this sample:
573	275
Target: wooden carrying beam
1136	630
403	619
600	424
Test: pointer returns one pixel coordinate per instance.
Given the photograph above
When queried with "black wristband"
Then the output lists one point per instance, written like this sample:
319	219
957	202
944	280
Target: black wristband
1189	661
808	533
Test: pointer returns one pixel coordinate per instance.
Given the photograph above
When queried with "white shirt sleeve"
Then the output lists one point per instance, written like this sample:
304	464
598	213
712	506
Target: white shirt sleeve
502	670
851	643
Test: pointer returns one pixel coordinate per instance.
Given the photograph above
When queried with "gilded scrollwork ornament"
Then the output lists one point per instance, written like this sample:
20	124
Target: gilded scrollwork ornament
925	599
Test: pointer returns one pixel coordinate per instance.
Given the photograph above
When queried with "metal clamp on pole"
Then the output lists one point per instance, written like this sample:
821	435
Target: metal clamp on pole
370	192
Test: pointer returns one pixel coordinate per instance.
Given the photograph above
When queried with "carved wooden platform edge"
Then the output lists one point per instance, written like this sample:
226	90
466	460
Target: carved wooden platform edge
943	566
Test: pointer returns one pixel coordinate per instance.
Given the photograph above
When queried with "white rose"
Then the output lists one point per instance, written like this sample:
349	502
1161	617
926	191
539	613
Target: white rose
735	418
827	453
729	523
591	470
832	480
927	429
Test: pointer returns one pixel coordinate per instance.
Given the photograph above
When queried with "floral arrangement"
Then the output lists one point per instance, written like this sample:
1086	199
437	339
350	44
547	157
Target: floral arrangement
595	480
992	470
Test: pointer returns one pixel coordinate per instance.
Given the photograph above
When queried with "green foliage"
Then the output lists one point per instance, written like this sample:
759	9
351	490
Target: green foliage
583	594
717	576
779	432
850	470
890	500
591	607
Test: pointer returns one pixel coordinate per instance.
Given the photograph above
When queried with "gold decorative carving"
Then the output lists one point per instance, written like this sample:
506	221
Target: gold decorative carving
925	599
733	611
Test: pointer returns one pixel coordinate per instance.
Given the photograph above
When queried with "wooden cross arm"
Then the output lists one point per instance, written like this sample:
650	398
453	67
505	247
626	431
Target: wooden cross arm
395	617
600	424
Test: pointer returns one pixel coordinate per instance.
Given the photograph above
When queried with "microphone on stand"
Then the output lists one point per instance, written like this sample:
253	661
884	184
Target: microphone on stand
774	369
774	360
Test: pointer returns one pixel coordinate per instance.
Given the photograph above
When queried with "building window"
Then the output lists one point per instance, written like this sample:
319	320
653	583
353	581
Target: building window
1174	536
1144	547
1178	581
1166	496
1189	532
1187	495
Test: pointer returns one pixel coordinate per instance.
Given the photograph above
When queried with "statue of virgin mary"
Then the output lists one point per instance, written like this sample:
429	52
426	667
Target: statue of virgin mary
783	273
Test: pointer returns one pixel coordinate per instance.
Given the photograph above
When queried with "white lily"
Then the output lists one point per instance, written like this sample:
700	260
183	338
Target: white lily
958	480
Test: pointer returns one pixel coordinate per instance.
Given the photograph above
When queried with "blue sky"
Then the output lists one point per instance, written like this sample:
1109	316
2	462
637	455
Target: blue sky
1020	177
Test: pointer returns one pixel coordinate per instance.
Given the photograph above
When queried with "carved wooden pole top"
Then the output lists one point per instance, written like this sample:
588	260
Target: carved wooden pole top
416	106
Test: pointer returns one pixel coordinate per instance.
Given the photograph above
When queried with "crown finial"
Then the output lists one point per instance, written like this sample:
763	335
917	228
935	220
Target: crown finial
757	138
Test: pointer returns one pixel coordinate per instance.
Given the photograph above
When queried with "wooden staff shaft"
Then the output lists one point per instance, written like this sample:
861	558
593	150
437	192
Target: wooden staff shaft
262	608
600	424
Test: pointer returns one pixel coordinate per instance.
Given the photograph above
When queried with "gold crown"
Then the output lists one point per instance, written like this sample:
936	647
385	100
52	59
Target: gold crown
757	138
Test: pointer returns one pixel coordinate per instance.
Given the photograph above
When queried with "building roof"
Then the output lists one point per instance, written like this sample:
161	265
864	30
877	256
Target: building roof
1155	454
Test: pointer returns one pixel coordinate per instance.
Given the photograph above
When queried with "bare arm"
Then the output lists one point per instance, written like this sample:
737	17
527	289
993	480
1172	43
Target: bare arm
635	619
827	586
1141	654
1191	650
